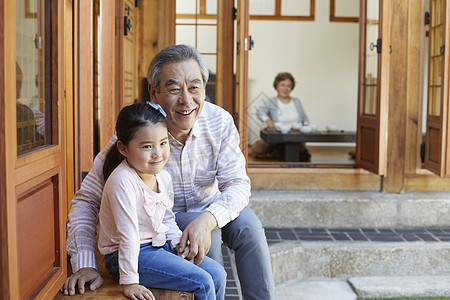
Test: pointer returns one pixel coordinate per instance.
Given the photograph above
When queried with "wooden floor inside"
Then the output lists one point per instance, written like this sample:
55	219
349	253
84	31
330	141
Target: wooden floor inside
319	155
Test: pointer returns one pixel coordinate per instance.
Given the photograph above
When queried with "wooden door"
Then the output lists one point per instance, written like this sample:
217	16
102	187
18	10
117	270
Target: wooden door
243	44
130	65
436	145
371	135
32	149
95	106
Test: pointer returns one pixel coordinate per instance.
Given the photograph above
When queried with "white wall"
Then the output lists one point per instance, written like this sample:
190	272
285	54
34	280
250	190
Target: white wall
321	55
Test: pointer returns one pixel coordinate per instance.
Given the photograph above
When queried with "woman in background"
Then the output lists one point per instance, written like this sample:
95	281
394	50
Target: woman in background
282	109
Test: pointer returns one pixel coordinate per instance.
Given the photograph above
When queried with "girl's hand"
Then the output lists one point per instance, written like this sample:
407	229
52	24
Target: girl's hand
137	292
183	254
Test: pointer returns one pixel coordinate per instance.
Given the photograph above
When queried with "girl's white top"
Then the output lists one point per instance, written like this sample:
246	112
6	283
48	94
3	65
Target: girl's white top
132	214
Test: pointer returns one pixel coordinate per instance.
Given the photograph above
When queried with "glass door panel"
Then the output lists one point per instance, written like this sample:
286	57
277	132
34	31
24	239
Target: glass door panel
435	149
33	75
371	58
436	58
371	120
196	25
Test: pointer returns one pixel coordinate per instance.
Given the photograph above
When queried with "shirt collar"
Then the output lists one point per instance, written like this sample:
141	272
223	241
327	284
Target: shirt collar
195	132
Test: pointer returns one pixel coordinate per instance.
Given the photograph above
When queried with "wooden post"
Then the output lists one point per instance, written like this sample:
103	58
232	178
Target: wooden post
395	168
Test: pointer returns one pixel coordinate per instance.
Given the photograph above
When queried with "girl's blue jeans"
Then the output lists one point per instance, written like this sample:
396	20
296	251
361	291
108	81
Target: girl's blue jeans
160	267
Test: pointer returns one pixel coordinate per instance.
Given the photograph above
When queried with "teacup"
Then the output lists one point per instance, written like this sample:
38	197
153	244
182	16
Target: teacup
296	126
306	129
332	128
284	128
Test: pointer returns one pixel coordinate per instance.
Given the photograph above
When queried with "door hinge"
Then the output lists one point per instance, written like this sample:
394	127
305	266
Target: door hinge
234	13
136	3
427	18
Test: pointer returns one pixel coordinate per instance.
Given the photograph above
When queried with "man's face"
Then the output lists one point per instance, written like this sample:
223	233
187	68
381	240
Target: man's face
181	95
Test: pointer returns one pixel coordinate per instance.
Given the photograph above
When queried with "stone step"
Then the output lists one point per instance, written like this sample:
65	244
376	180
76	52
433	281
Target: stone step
342	260
379	287
314	289
349	209
406	286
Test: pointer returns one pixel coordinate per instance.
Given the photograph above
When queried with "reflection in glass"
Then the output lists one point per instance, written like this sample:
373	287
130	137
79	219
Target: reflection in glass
33	70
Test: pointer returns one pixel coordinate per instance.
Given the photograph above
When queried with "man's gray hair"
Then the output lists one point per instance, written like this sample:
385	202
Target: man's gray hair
174	54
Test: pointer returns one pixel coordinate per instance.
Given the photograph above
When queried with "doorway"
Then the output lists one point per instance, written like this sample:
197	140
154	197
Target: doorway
318	43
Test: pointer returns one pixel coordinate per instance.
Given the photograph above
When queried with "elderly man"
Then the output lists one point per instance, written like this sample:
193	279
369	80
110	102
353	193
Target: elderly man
211	187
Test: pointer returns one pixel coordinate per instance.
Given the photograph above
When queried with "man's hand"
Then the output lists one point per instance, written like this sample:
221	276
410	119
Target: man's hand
80	278
197	237
136	291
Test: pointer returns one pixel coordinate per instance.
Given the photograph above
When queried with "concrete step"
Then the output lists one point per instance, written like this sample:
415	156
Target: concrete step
347	209
342	260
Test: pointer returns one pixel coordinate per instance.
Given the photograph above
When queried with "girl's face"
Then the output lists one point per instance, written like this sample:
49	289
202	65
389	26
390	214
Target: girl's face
284	88
148	151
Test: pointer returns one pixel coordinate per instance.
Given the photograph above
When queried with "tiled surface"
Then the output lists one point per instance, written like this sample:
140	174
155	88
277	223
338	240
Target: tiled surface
275	235
232	291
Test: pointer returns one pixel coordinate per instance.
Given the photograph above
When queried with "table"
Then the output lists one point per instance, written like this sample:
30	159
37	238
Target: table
292	140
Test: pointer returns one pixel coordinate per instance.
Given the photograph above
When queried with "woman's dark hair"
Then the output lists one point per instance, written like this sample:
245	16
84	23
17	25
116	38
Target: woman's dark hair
282	76
130	119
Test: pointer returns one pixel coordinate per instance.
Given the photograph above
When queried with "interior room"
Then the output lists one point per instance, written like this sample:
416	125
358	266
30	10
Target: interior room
322	56
320	50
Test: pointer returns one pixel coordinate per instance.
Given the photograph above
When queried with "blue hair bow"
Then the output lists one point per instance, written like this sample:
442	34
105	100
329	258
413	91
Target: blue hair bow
158	108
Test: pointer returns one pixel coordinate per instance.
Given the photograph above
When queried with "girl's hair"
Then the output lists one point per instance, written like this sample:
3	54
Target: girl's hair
130	119
174	54
282	76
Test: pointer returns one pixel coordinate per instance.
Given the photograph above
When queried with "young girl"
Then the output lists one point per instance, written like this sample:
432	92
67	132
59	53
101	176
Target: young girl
138	234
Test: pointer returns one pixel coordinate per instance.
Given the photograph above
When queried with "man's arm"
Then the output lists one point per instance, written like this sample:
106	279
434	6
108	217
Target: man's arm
234	186
198	234
234	183
82	228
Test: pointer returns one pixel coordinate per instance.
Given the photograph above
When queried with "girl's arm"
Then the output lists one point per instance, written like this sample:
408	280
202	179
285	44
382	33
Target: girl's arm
121	193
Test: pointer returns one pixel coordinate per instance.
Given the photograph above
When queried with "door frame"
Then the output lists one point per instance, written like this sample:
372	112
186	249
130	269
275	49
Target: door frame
22	177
